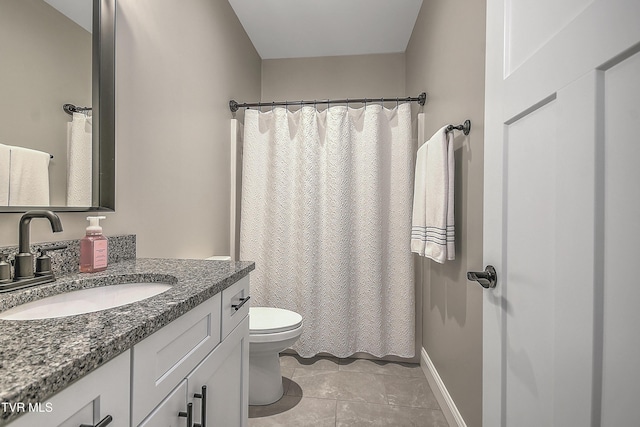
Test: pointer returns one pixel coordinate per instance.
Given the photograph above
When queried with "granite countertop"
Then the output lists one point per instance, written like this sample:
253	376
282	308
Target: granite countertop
38	358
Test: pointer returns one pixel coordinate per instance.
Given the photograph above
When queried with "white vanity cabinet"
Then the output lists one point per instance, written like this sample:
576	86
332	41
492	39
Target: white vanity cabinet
219	382
165	358
208	346
102	393
163	375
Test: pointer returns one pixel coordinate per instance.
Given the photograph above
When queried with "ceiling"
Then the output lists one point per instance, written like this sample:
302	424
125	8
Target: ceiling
79	12
311	28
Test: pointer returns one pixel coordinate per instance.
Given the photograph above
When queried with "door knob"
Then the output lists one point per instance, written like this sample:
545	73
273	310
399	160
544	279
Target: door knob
486	278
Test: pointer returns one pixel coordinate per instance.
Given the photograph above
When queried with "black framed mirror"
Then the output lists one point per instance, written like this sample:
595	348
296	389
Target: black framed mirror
100	35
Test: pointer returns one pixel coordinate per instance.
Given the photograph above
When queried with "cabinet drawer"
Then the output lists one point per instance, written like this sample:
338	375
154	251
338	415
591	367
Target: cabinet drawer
164	358
101	393
233	295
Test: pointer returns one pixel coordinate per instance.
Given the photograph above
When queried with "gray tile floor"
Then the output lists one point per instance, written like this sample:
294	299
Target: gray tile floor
331	392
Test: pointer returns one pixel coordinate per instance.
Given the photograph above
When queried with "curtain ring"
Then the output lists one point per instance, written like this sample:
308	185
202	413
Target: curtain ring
301	101
347	103
273	105
397	103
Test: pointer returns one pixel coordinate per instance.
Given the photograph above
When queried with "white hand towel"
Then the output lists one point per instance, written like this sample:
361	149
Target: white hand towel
28	177
433	231
79	159
5	161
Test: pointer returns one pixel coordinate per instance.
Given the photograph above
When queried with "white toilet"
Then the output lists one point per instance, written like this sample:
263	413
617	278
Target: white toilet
271	330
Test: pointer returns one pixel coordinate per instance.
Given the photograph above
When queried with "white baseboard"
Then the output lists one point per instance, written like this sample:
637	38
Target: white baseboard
448	406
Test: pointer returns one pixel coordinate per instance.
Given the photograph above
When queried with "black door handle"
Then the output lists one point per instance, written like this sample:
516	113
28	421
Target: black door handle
486	278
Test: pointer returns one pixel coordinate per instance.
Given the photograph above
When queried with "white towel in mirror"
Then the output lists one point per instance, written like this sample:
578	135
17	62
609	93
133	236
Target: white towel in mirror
5	160
28	177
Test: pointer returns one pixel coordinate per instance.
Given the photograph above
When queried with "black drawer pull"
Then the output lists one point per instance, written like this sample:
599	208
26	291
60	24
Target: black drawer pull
102	423
188	415
242	302
203	408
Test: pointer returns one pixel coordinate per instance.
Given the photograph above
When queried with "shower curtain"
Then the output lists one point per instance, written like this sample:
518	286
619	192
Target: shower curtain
326	216
79	159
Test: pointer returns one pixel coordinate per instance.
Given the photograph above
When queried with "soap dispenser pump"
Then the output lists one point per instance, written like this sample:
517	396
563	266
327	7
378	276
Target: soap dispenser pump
93	247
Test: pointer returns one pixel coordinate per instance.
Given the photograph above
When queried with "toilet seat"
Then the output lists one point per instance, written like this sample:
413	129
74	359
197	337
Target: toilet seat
271	320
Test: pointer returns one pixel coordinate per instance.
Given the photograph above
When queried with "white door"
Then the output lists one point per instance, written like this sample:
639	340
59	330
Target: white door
562	213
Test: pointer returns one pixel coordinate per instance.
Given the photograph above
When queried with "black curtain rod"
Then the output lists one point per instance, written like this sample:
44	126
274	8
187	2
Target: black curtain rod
70	109
234	106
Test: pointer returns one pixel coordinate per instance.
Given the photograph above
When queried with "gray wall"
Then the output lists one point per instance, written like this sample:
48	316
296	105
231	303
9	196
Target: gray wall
445	57
356	76
177	66
46	62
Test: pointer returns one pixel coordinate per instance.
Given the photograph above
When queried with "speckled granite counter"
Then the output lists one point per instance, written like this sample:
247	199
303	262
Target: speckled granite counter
38	358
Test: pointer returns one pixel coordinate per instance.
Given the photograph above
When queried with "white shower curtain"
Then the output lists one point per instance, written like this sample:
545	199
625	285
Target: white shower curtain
326	216
79	160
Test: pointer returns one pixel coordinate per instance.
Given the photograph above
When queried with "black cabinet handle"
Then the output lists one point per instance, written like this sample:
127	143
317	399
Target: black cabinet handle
102	423
188	415
242	302
203	408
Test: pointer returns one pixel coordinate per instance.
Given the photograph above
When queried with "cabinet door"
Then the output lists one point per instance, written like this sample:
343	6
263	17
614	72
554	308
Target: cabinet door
225	372
99	394
166	357
166	413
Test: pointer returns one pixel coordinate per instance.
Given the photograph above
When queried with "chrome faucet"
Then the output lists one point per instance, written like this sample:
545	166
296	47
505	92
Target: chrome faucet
24	258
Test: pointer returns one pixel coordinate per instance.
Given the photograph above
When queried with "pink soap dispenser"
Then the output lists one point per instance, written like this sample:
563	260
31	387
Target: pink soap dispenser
93	247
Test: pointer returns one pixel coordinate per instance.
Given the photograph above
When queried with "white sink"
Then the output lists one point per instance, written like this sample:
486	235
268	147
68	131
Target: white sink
84	301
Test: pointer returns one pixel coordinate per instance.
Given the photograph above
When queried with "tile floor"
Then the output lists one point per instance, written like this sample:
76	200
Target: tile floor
332	392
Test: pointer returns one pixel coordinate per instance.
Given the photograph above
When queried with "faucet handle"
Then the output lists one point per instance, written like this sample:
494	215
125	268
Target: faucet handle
43	262
44	251
5	269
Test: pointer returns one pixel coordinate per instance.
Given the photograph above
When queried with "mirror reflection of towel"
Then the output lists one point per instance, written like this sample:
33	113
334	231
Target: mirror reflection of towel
5	160
28	177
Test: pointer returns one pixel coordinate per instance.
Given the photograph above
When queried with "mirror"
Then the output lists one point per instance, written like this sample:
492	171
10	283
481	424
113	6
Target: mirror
52	56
